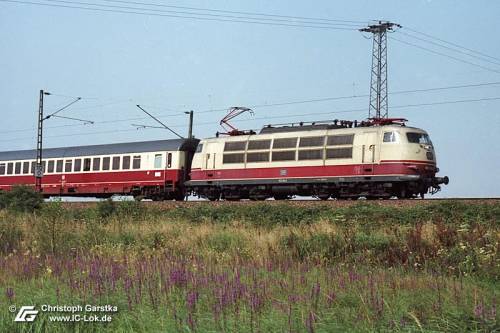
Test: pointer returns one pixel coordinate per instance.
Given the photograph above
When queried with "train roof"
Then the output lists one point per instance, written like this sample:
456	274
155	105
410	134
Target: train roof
107	149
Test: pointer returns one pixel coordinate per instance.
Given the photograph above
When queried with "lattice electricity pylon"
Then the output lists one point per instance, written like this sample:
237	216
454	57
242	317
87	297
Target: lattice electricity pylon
379	104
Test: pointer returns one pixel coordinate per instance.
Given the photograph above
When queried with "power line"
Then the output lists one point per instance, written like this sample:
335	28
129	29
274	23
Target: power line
236	12
454	44
253	21
181	113
277	117
445	55
482	58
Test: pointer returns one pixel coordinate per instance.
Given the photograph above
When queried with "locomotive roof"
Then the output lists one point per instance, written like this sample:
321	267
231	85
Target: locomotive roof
107	149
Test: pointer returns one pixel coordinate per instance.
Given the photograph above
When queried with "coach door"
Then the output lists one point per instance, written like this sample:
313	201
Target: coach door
369	151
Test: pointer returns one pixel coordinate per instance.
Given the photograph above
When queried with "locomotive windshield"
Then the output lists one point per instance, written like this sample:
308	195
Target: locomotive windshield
422	138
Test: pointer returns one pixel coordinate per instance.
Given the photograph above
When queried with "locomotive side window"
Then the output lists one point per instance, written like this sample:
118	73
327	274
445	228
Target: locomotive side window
339	153
78	165
96	164
391	137
259	144
311	154
258	157
285	143
126	163
68	166
233	158
337	140
59	166
199	148
233	146
26	167
2	169
10	168
136	162
18	168
287	155
105	163
50	167
86	164
312	141
158	160
116	163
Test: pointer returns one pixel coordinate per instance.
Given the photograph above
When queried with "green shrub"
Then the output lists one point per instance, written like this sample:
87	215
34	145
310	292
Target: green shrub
21	199
106	208
11	236
225	242
319	245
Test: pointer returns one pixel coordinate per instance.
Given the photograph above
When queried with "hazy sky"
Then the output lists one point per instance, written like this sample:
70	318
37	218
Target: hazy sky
171	64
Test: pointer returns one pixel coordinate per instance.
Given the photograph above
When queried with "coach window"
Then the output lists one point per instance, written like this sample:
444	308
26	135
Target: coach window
391	137
2	169
33	165
10	168
26	167
312	141
105	163
50	166
17	168
126	163
68	166
78	165
96	164
136	162
310	154
158	161
285	143
169	160
86	164
116	163
59	165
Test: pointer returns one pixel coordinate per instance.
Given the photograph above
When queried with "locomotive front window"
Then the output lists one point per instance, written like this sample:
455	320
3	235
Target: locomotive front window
2	169
199	148
96	165
421	138
391	137
136	163
50	168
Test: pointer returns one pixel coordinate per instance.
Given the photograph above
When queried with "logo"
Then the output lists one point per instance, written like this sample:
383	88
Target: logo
26	313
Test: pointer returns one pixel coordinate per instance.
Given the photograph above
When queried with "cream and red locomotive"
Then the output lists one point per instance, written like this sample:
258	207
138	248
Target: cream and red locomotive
373	159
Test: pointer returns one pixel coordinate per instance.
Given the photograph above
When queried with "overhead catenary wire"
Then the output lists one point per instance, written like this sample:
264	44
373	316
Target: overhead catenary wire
277	117
256	106
453	44
444	55
146	13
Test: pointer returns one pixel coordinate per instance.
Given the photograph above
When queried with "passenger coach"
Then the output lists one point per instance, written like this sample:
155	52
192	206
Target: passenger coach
151	169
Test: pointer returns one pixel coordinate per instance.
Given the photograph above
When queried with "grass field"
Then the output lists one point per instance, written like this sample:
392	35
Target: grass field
255	267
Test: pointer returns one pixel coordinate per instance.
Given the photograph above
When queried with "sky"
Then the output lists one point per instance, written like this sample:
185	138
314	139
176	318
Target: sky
169	65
